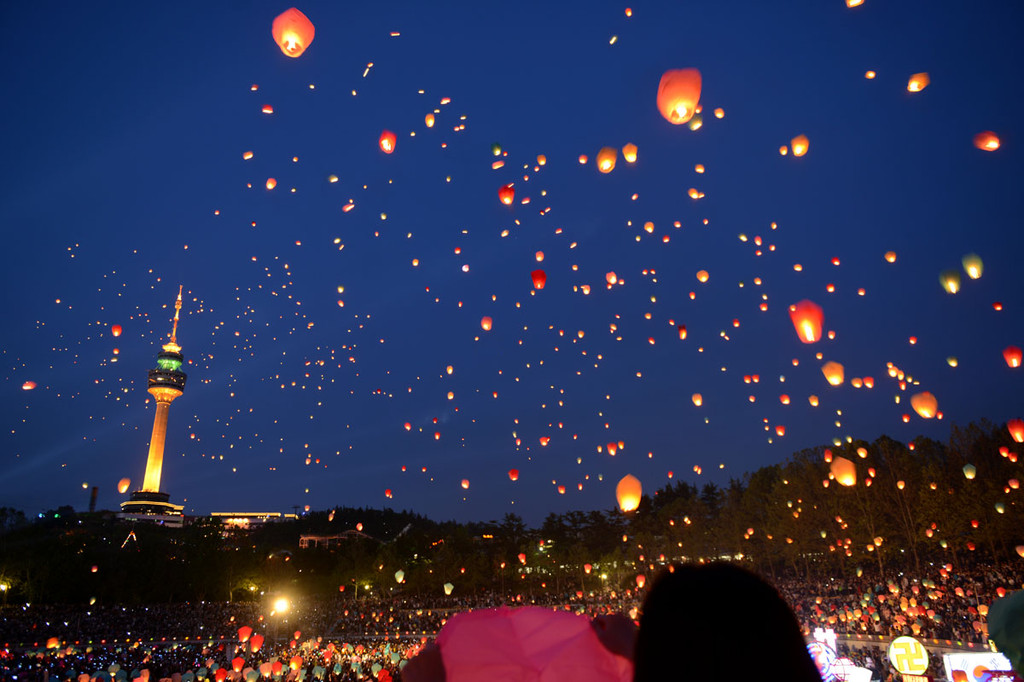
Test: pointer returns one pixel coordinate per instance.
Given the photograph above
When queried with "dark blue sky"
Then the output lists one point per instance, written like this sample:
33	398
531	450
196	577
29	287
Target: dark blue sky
125	126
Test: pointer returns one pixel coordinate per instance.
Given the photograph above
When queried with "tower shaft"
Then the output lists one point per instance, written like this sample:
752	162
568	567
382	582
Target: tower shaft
155	460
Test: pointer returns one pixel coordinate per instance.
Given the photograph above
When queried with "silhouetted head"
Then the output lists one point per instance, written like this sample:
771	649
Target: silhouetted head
714	621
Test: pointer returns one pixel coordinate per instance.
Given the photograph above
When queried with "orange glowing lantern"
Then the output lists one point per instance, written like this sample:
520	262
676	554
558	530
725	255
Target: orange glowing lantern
271	183
973	265
115	330
924	404
629	153
641	580
513	474
606	159
1012	355
587	568
387	141
844	471
1016	429
243	633
807	319
429	120
293	32
123	485
678	94
628	493
799	145
702	276
507	195
833	372
611	278
540	278
522	558
486	323
986	141
28	386
465	484
698	399
255	643
918	82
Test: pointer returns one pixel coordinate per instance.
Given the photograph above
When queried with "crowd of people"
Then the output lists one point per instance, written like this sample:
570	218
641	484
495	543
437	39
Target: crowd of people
344	638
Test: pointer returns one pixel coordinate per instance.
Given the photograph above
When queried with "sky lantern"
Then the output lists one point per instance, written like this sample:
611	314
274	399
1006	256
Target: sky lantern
986	141
387	141
918	82
448	587
799	145
293	32
702	276
833	372
486	323
587	568
271	183
115	329
123	485
399	576
681	328
539	278
950	281
507	195
807	319
244	633
237	664
429	120
606	159
890	256
1012	355
1016	429
522	558
255	643
629	153
970	471
28	386
465	484
612	448
628	493
611	277
678	94
924	404
513	474
641	580
844	471
973	265
698	399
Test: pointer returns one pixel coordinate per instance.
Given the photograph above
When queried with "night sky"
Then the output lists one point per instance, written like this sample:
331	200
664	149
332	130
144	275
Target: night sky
124	129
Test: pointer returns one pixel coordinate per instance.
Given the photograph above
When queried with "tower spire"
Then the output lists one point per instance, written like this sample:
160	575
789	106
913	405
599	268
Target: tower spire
177	309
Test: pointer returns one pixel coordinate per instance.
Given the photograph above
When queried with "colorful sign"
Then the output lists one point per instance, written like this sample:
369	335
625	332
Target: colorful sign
908	656
974	667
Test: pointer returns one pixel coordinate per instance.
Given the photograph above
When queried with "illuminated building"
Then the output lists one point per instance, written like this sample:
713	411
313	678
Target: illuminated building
166	382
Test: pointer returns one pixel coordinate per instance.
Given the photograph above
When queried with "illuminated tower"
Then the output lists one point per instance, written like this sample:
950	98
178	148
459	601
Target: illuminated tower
166	382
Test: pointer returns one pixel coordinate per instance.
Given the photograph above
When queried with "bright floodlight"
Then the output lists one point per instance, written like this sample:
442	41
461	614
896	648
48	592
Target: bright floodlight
281	605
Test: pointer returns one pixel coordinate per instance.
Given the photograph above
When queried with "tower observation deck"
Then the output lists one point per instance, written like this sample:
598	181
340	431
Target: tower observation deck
166	382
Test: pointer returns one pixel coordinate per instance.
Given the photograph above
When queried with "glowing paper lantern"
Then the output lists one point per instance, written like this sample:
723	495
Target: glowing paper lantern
522	558
678	94
465	484
970	471
641	580
513	474
387	141
122	487
255	643
429	120
507	195
115	330
1012	355
448	587
606	159
243	633
807	319
629	153
293	32
986	141
918	82
539	278
611	277
587	568
973	265
628	493
702	276
486	323
698	399
833	372
799	145
924	404
399	576
844	471
237	664
1016	429
28	386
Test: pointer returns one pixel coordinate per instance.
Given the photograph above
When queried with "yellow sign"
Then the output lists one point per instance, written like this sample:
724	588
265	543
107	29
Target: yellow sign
908	656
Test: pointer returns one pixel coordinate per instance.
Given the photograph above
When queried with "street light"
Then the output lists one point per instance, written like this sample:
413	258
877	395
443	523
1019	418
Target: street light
3	588
281	604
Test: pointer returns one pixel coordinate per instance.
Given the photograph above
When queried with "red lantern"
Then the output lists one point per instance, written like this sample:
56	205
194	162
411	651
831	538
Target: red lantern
1016	429
507	195
237	664
807	319
243	633
986	141
387	141
513	474
115	330
540	278
678	94
293	32
255	642
486	323
1012	355
522	558
641	580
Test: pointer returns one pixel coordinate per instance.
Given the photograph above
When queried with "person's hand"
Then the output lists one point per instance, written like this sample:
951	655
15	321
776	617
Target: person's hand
426	666
617	633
